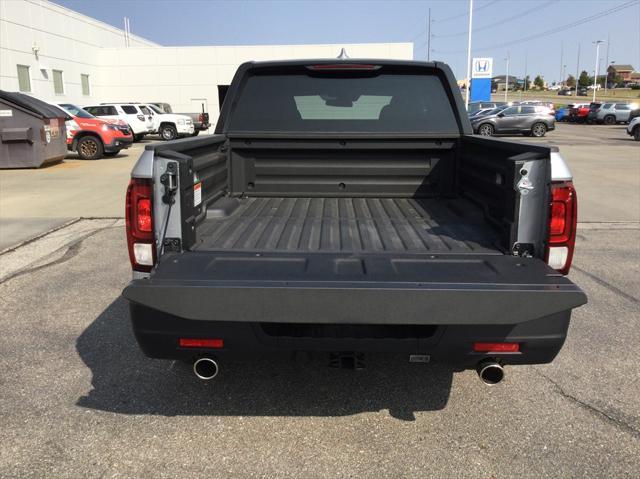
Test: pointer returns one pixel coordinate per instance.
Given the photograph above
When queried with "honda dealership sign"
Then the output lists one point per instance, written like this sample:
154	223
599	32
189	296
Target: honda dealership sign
482	68
481	74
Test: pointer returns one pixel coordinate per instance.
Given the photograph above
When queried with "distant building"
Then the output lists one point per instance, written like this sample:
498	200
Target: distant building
623	72
498	82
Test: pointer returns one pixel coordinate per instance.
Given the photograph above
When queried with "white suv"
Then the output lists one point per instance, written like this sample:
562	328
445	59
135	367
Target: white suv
137	116
169	125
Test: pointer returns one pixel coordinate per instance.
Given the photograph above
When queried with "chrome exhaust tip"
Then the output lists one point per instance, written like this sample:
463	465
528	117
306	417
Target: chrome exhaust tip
490	372
205	368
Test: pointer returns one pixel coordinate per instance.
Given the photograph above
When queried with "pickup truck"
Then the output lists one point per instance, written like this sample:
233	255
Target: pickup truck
344	207
200	120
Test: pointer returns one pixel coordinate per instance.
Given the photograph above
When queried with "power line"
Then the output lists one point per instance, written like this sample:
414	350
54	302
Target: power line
494	24
456	16
486	5
551	31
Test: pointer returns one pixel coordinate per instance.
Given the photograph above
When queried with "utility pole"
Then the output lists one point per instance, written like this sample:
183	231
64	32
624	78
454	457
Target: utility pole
469	54
577	69
595	76
429	37
561	59
606	78
506	89
525	71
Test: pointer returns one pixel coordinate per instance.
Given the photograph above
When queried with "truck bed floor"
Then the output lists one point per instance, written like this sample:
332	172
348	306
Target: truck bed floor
346	225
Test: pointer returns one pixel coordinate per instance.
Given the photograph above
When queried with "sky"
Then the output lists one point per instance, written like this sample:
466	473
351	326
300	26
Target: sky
540	35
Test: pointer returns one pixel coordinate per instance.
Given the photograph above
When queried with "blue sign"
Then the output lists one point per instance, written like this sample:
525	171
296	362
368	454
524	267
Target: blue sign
480	89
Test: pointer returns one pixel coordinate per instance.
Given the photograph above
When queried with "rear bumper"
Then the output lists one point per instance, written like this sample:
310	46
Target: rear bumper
185	129
540	340
201	126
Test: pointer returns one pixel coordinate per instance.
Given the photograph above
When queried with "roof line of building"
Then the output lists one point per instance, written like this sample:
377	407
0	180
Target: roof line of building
106	26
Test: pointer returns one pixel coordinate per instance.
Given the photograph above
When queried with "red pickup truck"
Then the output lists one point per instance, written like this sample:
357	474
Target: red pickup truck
91	137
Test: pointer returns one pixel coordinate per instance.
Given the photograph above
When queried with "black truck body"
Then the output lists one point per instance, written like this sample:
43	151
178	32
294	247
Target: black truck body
344	206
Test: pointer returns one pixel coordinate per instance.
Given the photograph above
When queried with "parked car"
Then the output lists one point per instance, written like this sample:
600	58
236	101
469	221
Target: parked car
592	116
583	91
562	114
612	113
530	120
91	137
578	112
565	92
135	115
200	120
246	243
168	125
634	114
483	105
633	128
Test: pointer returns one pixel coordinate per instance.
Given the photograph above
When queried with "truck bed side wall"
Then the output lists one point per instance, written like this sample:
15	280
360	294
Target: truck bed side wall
333	168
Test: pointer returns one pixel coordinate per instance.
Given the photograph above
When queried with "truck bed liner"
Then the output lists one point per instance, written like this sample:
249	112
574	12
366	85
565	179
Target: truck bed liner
346	225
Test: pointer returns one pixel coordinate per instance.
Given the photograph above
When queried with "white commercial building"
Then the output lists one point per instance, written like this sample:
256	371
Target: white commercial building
59	55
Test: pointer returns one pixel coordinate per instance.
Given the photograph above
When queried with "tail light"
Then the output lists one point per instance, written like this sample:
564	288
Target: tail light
563	217
344	66
139	219
216	343
496	347
140	117
201	117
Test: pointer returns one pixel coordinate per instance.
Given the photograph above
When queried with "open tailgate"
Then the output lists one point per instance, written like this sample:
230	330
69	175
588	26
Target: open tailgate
352	289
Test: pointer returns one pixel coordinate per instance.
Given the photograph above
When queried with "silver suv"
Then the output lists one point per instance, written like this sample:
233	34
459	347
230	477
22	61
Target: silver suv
529	120
612	113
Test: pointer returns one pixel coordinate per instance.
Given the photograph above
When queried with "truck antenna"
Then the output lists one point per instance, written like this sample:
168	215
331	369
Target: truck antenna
343	55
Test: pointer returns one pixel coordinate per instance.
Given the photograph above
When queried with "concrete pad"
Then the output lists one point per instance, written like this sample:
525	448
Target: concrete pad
14	231
605	163
76	389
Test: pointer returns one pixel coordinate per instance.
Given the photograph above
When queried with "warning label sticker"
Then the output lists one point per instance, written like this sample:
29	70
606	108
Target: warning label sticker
197	194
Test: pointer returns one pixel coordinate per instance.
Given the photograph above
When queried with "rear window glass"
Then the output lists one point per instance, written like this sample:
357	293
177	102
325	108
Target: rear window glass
529	109
398	103
76	110
129	109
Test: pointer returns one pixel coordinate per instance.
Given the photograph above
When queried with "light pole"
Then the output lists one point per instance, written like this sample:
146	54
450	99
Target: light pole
606	73
577	69
595	76
506	89
469	53
563	78
429	37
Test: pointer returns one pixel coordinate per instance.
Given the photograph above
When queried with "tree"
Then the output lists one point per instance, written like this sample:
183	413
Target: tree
584	79
538	82
570	81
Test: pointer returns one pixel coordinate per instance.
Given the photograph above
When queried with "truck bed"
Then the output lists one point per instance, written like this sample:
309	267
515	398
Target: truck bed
342	225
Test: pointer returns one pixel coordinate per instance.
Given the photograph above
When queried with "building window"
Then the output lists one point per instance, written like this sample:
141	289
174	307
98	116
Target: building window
58	85
84	79
24	79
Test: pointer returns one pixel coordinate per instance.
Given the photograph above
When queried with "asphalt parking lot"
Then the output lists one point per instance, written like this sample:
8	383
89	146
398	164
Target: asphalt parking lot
79	399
